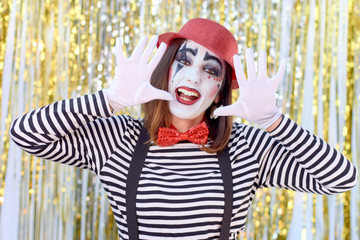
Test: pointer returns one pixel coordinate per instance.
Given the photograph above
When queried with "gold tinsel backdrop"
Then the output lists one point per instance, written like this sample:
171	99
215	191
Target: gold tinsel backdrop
53	49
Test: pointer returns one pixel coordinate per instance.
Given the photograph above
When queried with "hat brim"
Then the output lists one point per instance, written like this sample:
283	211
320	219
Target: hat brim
170	36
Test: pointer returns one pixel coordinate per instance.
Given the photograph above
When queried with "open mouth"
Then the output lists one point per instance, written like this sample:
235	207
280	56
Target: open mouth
187	95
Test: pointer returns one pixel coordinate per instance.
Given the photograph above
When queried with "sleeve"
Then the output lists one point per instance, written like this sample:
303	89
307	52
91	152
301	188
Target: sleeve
291	157
78	132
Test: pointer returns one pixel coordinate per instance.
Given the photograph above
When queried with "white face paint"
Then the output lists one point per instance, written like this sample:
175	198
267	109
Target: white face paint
195	78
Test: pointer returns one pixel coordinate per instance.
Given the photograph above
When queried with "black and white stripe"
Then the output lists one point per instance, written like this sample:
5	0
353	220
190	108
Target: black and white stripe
180	192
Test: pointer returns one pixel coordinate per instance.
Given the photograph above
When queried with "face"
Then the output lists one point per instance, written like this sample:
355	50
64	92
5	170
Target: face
195	78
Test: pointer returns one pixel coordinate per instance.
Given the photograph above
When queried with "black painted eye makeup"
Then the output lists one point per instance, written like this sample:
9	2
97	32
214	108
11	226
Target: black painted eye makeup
218	68
213	70
182	53
182	58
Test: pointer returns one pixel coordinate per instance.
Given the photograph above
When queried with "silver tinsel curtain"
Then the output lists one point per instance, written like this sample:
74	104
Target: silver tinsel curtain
53	49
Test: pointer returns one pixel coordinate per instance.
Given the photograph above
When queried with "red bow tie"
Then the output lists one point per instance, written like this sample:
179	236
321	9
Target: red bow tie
198	134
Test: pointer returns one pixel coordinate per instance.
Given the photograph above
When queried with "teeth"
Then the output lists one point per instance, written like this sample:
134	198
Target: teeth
184	98
188	93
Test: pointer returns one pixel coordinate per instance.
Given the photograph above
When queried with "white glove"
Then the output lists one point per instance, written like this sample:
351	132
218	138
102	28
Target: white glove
131	83
257	102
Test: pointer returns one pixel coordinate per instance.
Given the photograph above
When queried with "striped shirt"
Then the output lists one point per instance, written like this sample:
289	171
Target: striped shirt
180	193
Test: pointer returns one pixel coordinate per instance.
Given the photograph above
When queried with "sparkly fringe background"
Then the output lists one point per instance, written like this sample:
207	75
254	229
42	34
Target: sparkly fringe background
53	49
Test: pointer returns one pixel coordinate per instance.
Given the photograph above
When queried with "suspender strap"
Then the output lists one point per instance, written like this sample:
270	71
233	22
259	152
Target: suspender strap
226	174
132	182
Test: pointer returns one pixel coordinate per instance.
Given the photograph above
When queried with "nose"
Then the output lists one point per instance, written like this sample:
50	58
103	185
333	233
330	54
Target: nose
194	77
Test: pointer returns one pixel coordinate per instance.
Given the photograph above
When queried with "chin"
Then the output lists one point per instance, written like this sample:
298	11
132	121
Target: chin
185	116
185	112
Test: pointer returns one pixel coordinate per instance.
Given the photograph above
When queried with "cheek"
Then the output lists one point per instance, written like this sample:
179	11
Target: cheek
213	91
216	79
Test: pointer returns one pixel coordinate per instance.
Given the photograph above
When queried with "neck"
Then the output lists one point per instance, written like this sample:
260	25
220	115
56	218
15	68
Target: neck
182	125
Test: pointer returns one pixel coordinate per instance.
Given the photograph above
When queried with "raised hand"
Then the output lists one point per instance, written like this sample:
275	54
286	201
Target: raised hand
131	83
257	102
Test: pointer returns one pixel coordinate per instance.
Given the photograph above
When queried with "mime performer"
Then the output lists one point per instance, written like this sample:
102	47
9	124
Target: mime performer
185	170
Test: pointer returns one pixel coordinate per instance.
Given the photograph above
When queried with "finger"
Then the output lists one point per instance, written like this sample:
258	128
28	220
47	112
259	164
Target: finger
224	111
239	72
148	93
120	59
160	94
157	57
236	109
250	66
280	73
139	48
149	49
262	65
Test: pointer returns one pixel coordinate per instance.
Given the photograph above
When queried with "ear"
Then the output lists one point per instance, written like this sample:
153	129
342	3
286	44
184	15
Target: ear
217	99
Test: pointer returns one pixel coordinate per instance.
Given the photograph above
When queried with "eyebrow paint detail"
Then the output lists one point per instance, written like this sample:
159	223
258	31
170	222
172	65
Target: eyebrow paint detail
210	57
182	52
185	49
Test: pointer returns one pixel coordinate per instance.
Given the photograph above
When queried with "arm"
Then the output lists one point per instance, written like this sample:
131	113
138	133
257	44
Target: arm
293	158
62	131
288	156
79	131
275	124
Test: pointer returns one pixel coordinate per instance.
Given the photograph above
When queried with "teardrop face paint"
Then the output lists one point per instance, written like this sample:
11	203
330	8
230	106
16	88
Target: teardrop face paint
195	78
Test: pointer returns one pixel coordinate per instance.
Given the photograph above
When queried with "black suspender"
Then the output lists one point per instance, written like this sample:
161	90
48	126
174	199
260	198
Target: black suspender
132	182
226	175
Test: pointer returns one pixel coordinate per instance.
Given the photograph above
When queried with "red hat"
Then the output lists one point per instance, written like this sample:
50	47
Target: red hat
211	35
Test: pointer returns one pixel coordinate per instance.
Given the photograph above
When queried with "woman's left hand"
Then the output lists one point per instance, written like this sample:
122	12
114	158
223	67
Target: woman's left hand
257	101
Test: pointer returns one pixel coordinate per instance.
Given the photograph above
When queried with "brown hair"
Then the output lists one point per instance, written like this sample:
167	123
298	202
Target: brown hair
157	113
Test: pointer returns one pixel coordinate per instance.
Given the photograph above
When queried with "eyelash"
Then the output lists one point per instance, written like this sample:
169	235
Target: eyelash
209	70
214	72
183	61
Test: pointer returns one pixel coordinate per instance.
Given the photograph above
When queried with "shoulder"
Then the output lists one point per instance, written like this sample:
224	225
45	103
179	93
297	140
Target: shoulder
119	124
123	120
247	136
129	122
244	131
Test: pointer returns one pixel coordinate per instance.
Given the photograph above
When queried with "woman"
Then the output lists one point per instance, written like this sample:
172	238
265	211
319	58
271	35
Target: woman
185	171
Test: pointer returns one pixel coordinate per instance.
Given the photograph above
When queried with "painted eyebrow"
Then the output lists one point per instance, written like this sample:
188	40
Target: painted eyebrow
210	57
185	49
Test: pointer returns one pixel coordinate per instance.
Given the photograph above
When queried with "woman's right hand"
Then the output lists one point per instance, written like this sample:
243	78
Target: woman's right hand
131	83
